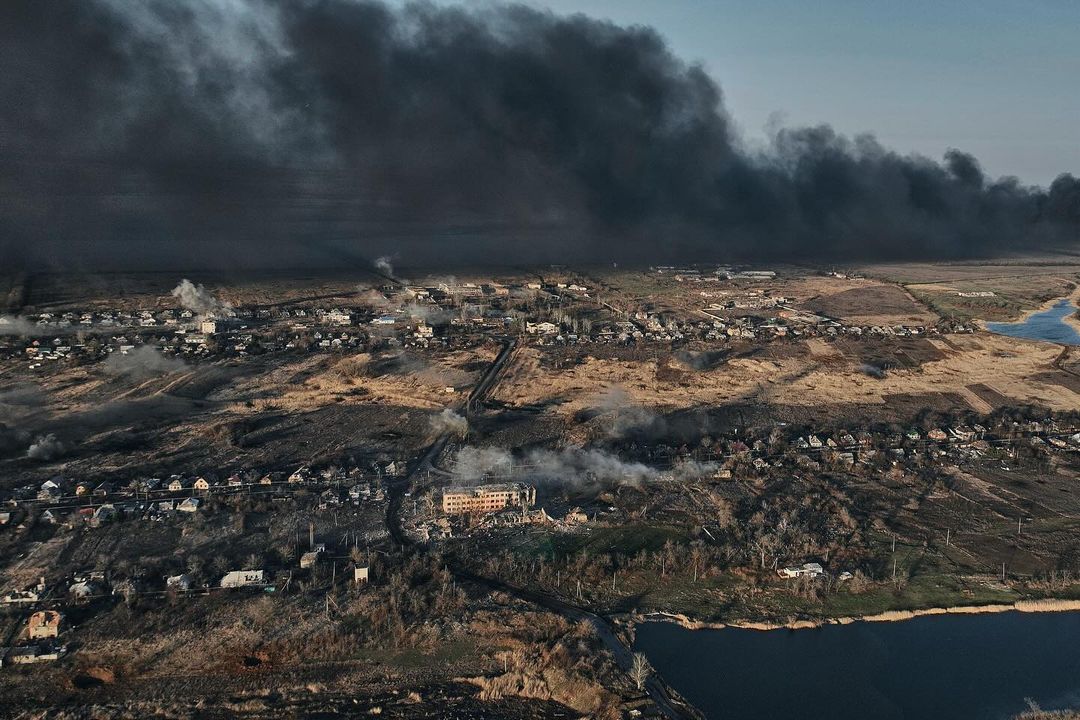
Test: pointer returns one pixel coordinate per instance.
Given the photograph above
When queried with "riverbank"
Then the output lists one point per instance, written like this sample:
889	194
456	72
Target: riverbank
1022	606
954	667
1071	319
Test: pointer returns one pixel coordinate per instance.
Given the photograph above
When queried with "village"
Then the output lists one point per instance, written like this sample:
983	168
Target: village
600	447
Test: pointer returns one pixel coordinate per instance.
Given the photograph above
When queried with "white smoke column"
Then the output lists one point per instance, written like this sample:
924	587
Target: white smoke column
46	447
450	423
199	300
383	265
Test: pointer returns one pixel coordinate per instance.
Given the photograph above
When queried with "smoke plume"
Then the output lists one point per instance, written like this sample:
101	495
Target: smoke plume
450	423
46	447
301	132
873	371
141	363
199	300
628	418
570	467
383	265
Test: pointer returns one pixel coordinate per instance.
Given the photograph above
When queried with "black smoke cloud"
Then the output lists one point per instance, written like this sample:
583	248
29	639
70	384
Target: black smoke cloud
175	134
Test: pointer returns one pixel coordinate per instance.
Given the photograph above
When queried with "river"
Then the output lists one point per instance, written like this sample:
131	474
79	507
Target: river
942	667
1048	325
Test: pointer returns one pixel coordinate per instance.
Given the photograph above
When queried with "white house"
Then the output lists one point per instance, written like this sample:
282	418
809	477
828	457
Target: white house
811	569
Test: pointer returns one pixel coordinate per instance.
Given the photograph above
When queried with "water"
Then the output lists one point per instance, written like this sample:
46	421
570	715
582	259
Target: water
1048	325
943	667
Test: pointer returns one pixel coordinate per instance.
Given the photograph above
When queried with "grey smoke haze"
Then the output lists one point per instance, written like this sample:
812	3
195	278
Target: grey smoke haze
383	265
175	134
872	370
629	419
20	399
141	363
199	300
573	467
14	325
451	423
45	447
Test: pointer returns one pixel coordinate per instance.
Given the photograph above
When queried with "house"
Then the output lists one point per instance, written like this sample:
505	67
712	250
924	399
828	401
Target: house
310	559
30	654
103	514
302	474
189	505
31	595
44	624
201	484
937	435
266	480
85	590
234	481
83	488
360	574
49	491
181	583
243	578
177	484
339	317
541	328
49	517
811	569
576	516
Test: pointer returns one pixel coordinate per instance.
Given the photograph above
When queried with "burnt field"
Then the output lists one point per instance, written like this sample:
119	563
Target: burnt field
215	417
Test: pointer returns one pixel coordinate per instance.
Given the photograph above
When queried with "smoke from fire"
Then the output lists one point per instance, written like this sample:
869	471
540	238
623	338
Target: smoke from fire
281	133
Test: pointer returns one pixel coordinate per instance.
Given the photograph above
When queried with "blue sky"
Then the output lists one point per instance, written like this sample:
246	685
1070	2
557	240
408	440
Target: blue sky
997	78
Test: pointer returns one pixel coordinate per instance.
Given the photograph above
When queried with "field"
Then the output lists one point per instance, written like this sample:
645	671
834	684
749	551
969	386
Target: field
979	372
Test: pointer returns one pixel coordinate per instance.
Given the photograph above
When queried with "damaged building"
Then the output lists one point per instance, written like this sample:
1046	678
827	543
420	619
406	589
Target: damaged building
487	498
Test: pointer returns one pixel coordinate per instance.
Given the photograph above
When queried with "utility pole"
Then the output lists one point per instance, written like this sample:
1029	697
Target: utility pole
1019	524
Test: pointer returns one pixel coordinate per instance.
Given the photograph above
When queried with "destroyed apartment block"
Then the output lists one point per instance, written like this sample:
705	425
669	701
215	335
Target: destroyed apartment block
44	624
487	498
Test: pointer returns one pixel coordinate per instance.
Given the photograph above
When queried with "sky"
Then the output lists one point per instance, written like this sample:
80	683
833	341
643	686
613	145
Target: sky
995	78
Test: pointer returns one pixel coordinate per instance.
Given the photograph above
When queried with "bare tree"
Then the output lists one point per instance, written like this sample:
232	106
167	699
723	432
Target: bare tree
640	670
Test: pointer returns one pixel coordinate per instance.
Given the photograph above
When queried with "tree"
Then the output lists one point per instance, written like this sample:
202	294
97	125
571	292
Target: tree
640	670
